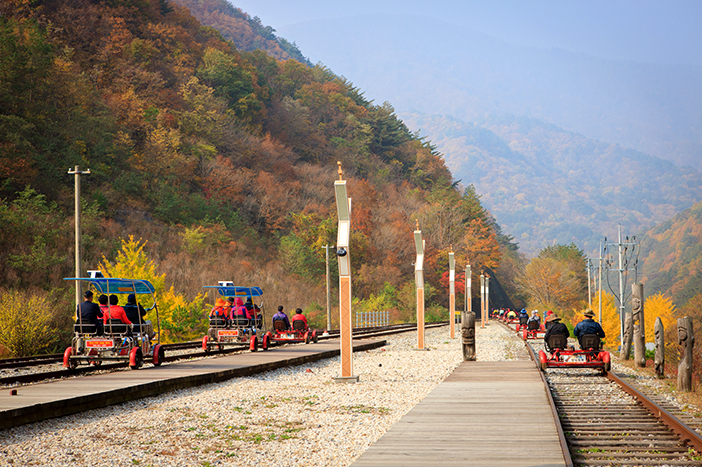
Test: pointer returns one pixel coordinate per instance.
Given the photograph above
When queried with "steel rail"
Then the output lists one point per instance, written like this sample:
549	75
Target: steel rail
687	434
554	412
42	376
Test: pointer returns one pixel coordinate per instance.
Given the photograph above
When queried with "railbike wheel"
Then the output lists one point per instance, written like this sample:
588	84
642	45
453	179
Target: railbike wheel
253	343
315	338
266	342
204	344
307	337
136	358
159	354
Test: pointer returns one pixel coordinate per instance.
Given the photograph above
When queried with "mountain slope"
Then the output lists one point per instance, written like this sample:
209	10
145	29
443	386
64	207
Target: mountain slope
671	255
424	65
547	185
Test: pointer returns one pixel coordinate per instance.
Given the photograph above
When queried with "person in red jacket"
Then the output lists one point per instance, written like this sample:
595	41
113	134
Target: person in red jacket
113	311
299	316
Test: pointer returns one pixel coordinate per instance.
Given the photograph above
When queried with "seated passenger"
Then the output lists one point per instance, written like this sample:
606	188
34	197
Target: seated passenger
113	311
89	313
535	321
588	326
218	309
556	327
298	316
548	323
135	312
523	317
511	314
281	316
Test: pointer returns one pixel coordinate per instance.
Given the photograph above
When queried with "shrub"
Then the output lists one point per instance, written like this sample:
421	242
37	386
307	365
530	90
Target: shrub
27	328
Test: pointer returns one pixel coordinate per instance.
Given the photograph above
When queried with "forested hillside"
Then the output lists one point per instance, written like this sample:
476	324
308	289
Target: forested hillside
549	185
672	257
208	162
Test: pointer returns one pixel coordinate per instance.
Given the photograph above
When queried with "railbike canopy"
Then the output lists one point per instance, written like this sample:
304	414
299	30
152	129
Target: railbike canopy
236	290
110	285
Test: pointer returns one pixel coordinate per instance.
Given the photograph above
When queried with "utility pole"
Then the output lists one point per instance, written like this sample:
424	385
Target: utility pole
487	300
622	247
588	268
78	245
326	250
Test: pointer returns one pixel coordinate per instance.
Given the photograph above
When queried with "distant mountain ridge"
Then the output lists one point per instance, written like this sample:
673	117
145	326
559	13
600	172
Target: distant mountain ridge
547	185
425	65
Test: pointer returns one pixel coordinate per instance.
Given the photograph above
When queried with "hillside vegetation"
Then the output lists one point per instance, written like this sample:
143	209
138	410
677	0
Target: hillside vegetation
672	257
209	162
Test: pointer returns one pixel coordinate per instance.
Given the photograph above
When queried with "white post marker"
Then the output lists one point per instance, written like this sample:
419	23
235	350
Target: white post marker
419	281
482	295
487	300
343	207
452	294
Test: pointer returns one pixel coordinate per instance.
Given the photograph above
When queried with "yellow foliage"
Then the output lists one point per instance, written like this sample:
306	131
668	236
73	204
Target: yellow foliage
610	317
658	305
26	326
180	319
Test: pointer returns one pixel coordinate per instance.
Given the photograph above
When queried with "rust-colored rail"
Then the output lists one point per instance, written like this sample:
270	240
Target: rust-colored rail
686	433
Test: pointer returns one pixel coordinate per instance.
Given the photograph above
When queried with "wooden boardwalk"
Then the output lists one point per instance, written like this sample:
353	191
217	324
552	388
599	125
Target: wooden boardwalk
484	414
72	395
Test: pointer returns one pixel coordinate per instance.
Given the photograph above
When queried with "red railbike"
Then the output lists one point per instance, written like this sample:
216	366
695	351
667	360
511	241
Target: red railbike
559	355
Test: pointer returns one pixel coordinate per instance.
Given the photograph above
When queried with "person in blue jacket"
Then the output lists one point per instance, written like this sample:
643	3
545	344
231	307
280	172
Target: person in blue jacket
588	326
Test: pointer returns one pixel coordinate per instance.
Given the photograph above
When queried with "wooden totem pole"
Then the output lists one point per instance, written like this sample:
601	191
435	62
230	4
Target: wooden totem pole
637	307
468	335
659	359
628	336
686	341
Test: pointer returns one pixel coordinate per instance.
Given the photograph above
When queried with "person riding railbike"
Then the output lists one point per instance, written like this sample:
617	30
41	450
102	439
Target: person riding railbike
555	327
588	326
280	316
298	316
534	321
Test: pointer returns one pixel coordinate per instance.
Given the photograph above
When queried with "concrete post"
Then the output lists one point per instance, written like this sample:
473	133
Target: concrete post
343	206
452	295
419	281
78	240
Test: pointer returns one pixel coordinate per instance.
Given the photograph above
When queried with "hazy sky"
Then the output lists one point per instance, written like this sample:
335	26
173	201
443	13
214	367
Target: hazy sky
663	31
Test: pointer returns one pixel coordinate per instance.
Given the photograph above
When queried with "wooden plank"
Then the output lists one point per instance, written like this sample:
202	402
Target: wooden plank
483	414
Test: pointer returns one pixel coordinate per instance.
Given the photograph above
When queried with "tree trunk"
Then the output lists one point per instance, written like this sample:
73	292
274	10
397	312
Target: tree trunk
659	362
686	341
468	335
628	335
637	306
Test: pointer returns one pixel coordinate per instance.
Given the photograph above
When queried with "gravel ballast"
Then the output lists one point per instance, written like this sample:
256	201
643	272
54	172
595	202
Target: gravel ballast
291	416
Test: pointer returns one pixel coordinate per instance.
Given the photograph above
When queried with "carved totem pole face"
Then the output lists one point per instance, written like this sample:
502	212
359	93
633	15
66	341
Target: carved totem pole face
682	336
636	305
468	334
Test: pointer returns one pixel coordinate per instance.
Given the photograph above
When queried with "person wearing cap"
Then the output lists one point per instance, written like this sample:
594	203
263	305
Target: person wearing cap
88	312
554	326
588	326
534	321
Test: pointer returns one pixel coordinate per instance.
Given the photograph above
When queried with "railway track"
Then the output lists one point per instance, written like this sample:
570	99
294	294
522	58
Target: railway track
50	361
606	422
